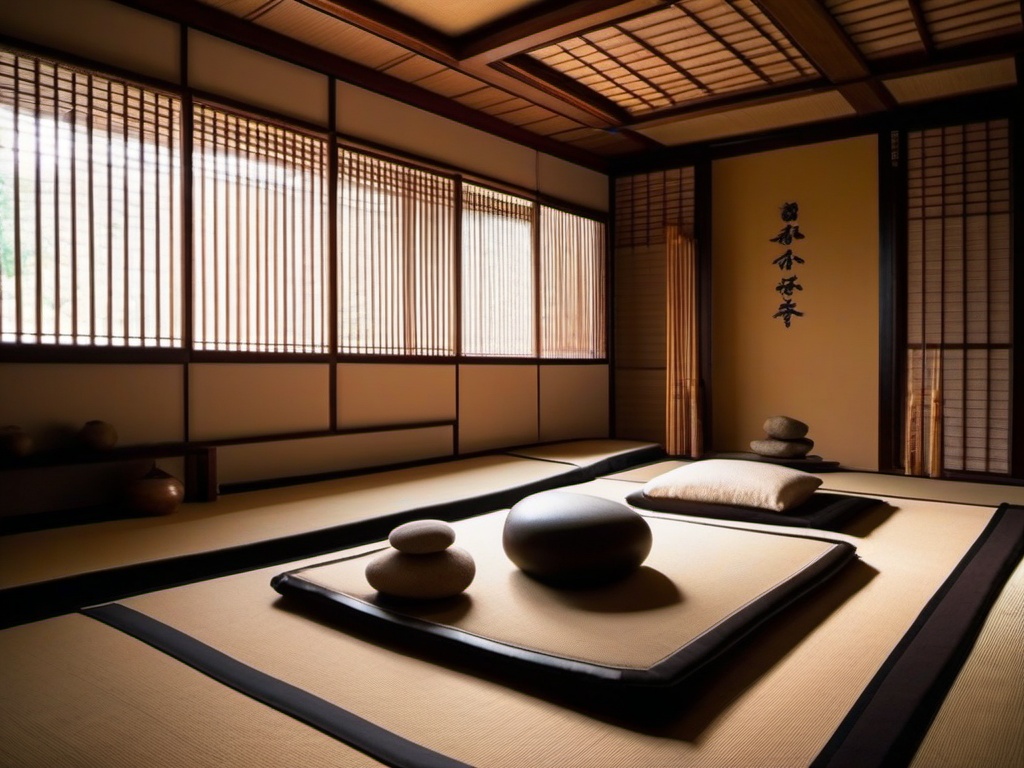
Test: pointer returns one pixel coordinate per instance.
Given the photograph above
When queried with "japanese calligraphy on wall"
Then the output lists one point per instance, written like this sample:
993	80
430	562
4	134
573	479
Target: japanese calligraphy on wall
788	283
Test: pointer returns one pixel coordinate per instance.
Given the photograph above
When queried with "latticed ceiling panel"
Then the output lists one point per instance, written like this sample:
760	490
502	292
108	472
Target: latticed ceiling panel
884	28
879	28
951	22
683	51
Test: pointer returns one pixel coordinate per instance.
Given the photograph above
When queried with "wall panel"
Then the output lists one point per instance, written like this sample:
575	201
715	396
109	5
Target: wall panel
497	406
99	30
381	394
573	402
376	118
228	400
243	74
576	184
824	368
292	458
53	400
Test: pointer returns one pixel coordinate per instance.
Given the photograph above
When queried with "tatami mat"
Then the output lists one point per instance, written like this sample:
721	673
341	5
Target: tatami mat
74	692
240	519
775	703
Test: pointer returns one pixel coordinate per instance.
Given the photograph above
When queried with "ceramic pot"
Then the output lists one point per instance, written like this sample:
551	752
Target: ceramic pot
98	435
156	493
15	443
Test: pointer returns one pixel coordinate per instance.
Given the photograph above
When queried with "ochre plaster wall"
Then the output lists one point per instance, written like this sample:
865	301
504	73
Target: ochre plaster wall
823	369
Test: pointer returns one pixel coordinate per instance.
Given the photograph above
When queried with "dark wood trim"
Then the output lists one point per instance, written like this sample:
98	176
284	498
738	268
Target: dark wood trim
609	308
1017	297
921	25
53	353
187	255
320	433
892	217
703	183
332	253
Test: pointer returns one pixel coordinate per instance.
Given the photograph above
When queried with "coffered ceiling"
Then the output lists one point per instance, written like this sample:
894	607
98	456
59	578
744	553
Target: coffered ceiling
608	78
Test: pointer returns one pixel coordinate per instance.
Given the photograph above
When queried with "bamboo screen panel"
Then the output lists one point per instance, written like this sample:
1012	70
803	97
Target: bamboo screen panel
90	211
497	273
959	302
572	285
396	257
260	266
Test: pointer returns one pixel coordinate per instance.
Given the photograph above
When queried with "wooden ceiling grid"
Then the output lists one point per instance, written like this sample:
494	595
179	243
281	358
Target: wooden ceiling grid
605	78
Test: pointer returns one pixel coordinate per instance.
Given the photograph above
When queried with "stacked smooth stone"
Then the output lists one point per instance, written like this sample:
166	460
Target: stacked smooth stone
787	439
422	563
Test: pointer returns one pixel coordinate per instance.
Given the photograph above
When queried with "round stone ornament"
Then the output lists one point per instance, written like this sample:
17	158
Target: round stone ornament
421	577
784	428
782	449
422	537
571	539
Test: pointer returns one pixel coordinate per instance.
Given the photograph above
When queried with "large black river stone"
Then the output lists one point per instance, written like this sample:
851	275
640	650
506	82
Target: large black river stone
571	539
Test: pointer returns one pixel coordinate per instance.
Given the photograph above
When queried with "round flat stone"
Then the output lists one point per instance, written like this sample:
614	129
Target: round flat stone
782	449
422	577
784	428
571	539
422	537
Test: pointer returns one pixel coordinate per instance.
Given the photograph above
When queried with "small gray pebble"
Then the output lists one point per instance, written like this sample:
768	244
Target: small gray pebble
422	537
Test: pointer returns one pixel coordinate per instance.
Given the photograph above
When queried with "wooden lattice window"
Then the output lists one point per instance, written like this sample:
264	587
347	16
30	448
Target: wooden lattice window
90	211
959	300
396	256
260	270
498	300
572	285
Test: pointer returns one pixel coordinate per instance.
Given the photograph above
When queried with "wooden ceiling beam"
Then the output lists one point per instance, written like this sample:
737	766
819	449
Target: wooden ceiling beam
417	37
813	30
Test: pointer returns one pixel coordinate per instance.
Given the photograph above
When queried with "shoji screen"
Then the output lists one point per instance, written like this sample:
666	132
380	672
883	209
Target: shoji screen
396	256
90	209
260	263
958	300
497	273
572	285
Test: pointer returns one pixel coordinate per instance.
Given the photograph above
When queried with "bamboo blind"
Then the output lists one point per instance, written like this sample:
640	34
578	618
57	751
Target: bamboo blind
683	431
572	285
90	211
260	254
396	257
498	296
959	301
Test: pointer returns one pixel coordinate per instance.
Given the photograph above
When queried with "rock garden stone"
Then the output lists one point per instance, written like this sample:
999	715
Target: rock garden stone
571	539
785	428
422	537
422	577
782	449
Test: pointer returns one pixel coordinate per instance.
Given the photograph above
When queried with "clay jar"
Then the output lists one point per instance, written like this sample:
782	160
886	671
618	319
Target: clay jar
156	493
15	443
98	435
